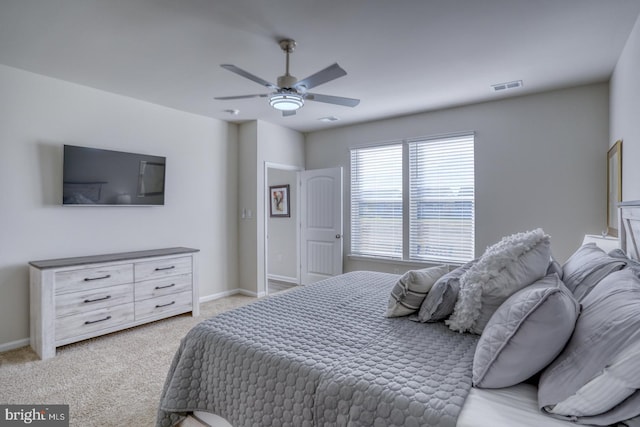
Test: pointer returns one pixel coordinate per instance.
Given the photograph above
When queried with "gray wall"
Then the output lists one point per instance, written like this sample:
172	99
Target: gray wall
39	115
539	163
625	111
247	196
260	143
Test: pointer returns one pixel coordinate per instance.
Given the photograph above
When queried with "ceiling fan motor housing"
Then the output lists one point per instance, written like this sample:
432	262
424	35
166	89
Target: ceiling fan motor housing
287	81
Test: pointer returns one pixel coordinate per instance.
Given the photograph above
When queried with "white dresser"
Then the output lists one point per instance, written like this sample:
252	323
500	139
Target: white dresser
73	299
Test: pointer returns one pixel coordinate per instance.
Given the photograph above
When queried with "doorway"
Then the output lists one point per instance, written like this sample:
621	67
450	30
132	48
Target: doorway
304	245
282	230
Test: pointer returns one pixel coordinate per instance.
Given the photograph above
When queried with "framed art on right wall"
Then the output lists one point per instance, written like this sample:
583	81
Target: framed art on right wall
614	186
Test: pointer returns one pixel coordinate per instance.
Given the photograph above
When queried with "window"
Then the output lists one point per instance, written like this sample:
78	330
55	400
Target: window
376	201
439	194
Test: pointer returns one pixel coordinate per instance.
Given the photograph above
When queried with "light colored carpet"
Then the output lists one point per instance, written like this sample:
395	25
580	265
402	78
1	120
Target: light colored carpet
113	380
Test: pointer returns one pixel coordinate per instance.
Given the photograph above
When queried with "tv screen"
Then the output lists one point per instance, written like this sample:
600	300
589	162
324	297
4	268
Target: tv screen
93	176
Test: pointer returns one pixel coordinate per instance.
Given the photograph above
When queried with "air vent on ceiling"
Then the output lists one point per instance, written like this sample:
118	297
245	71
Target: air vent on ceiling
505	86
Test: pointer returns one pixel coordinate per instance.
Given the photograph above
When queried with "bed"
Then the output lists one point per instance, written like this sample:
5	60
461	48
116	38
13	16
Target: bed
329	354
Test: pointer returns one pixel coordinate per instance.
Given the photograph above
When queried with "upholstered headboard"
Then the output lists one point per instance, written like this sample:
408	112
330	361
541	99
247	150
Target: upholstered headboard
629	232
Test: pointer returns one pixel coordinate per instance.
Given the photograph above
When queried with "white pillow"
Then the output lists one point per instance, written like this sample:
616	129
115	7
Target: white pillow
617	382
525	334
439	303
511	264
602	352
411	289
587	267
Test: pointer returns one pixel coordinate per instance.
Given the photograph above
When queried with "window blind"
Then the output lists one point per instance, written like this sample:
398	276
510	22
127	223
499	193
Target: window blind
442	199
376	201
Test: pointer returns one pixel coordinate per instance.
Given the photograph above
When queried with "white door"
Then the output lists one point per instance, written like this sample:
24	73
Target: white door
321	224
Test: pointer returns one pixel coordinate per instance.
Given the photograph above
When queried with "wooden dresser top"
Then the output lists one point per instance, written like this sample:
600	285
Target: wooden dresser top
122	256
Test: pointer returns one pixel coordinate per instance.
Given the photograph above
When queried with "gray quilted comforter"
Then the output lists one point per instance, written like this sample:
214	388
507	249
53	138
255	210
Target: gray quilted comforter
323	355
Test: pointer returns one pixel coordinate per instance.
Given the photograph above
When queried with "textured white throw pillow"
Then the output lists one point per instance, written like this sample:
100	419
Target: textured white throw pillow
511	264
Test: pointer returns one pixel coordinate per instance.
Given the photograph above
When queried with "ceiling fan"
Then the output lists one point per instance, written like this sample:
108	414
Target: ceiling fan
290	94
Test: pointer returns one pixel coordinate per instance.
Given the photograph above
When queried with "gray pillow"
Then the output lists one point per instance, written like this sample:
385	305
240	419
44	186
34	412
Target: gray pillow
554	267
439	303
608	326
586	267
616	383
411	289
630	263
511	264
525	334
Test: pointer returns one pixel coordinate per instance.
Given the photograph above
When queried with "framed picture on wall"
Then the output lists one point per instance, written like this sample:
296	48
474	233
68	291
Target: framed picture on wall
614	186
279	201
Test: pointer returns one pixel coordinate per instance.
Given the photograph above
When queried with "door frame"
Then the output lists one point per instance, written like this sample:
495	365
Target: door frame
265	192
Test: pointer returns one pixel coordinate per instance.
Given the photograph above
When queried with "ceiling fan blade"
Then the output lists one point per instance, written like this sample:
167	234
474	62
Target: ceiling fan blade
323	76
248	75
329	99
225	98
287	113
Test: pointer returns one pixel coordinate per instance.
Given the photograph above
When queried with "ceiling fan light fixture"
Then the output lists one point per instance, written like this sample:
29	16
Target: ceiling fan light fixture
286	101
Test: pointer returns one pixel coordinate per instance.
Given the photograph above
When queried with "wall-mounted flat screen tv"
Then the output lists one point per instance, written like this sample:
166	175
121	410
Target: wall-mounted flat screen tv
95	177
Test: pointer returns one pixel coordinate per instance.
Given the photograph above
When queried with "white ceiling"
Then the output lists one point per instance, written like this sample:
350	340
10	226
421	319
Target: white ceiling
402	56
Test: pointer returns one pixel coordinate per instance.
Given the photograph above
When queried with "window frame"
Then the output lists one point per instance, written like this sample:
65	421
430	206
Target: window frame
406	201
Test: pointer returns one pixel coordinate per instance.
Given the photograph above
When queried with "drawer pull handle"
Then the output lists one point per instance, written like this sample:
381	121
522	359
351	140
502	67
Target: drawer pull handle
97	299
88	322
88	279
164	305
165	268
165	287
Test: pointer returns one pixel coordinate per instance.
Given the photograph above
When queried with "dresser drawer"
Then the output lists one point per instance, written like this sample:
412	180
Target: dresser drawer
93	278
86	323
159	287
164	305
160	268
93	299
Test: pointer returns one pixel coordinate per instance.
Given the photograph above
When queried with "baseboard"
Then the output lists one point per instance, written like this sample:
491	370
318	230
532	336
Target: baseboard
252	294
285	279
231	292
14	344
219	295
